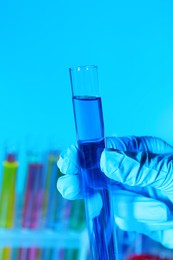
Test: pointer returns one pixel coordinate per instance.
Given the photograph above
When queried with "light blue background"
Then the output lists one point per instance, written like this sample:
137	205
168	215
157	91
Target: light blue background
130	41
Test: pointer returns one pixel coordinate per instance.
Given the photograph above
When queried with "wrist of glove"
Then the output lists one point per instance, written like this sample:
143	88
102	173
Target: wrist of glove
143	166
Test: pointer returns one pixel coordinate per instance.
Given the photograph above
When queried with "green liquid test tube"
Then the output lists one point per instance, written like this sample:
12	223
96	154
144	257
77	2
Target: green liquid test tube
7	198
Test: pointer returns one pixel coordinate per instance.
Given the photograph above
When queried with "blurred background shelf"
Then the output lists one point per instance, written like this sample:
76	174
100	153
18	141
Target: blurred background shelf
43	238
43	244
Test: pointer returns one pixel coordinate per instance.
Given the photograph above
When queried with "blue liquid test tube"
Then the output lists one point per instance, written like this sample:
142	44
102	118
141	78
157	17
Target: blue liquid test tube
90	137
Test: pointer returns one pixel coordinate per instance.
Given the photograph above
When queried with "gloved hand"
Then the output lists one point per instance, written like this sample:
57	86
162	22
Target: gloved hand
144	166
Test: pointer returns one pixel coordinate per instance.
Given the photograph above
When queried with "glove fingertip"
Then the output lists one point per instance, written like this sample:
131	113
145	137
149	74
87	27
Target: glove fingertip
69	187
59	163
68	161
95	205
59	185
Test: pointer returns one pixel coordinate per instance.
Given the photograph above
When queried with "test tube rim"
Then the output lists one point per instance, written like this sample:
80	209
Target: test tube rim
83	67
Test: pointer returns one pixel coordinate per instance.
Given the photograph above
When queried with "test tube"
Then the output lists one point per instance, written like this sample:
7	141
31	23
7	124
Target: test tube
50	194
8	195
7	199
32	208
89	125
52	204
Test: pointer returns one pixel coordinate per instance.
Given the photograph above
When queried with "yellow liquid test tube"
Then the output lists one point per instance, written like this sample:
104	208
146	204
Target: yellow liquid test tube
7	197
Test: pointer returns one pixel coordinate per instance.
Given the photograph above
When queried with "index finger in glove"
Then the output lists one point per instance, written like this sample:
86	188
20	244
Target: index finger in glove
149	144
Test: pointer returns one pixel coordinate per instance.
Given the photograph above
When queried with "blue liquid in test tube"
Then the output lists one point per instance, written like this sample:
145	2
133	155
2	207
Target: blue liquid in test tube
90	136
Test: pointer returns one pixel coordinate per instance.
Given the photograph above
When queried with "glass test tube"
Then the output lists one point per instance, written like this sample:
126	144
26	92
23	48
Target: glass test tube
8	195
90	136
32	208
33	196
52	205
77	223
50	193
7	199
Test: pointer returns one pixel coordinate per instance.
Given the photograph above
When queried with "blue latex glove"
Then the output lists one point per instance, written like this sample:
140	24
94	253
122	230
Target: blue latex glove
144	167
